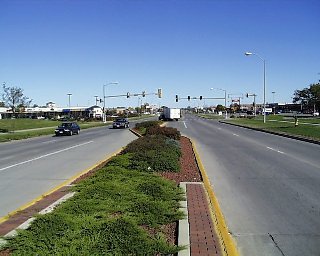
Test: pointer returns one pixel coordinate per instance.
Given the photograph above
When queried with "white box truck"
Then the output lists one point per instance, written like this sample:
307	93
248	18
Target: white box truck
170	114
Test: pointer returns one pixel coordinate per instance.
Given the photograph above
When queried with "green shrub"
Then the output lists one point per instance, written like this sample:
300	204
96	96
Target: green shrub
169	132
147	124
154	153
158	161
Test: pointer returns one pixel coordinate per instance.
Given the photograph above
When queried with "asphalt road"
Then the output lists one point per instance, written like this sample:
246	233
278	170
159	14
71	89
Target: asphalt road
268	186
32	167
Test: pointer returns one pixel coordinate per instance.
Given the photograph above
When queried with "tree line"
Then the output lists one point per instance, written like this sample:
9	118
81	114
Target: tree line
308	97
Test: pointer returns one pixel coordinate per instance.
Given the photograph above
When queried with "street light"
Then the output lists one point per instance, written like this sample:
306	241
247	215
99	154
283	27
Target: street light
69	95
264	83
273	102
225	99
104	100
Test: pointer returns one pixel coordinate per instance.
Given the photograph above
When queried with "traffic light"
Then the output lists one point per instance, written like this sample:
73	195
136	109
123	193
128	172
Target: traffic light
176	98
188	98
128	94
144	94
159	93
200	97
101	100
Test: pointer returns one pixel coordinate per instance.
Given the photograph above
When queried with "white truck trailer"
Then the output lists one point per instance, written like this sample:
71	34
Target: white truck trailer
170	114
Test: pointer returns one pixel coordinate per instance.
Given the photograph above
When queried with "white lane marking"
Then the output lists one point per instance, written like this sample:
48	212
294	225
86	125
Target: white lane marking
235	134
43	156
185	124
275	150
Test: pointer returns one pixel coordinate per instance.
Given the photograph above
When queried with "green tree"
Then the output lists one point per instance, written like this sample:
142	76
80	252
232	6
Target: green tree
14	98
309	97
220	108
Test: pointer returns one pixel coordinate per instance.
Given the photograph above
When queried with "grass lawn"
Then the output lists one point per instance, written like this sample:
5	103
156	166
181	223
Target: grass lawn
17	129
25	123
283	124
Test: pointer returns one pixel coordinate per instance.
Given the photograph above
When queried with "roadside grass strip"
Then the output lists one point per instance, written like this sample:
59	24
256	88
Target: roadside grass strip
307	128
116	211
24	131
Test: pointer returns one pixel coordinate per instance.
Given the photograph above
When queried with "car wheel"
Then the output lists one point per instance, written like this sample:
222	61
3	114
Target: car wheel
71	133
78	132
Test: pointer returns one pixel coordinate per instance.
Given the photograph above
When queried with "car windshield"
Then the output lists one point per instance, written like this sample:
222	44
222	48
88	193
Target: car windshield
66	125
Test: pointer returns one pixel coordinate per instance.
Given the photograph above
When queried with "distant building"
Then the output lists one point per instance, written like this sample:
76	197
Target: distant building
95	112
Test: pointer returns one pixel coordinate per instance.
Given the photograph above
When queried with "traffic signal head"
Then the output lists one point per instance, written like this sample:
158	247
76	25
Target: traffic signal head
189	98
159	93
128	94
200	97
144	94
177	98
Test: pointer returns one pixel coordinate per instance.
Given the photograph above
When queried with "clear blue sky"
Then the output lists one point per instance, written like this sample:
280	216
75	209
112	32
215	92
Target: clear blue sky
52	48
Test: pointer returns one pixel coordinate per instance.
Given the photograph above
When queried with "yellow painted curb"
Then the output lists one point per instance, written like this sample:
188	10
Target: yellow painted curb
226	241
67	182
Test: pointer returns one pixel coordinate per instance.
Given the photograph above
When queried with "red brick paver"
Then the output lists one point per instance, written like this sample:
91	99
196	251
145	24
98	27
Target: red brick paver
203	238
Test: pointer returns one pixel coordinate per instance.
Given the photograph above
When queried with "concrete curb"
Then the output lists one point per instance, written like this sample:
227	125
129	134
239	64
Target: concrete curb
184	231
275	133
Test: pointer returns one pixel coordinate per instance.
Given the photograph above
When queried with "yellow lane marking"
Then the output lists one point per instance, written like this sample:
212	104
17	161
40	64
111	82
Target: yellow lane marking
67	182
228	244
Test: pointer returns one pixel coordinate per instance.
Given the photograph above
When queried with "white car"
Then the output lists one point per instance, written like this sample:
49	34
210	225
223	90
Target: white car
316	114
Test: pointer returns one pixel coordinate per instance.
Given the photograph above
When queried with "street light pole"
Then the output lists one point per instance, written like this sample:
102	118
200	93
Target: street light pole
264	83
104	100
273	102
225	100
69	96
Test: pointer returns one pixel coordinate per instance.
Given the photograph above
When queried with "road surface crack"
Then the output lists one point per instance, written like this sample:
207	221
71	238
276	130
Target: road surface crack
276	244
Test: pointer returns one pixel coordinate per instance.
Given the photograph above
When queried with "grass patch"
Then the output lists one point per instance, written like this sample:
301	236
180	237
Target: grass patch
26	123
212	116
18	129
283	125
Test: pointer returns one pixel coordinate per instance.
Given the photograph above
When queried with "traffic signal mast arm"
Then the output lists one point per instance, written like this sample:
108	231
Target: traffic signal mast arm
143	94
200	98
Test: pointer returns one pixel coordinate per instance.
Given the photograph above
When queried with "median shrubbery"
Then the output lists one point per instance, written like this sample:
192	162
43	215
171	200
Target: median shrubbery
112	213
158	151
144	126
121	210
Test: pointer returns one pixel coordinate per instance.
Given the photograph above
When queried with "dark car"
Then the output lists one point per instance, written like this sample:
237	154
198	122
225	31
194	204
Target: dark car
120	123
67	128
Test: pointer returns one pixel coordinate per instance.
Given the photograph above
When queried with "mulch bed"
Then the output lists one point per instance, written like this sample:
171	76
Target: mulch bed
189	173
